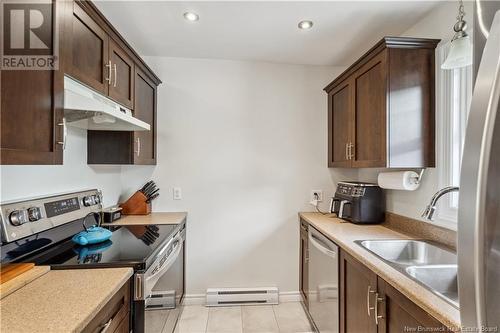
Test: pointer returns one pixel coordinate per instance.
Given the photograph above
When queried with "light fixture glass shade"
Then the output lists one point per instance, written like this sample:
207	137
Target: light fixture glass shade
460	54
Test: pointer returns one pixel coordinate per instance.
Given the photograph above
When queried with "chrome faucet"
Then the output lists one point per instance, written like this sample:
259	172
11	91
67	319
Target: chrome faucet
431	208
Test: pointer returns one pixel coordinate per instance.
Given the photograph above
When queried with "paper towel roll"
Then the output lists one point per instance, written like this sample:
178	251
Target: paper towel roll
401	180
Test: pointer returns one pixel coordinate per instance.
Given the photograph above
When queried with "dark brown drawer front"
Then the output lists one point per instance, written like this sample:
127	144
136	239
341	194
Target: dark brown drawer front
114	316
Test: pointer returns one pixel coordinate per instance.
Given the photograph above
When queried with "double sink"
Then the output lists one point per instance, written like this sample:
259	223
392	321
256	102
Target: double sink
433	267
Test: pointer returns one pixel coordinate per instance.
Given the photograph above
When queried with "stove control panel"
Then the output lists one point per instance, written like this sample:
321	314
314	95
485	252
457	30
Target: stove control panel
34	214
18	217
91	200
25	218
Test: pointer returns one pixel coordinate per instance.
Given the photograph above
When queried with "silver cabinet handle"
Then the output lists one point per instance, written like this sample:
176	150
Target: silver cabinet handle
109	72
114	68
351	153
377	300
106	326
347	151
368	307
65	133
138	145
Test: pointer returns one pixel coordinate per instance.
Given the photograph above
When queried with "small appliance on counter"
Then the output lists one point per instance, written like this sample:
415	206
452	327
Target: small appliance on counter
111	214
140	202
360	203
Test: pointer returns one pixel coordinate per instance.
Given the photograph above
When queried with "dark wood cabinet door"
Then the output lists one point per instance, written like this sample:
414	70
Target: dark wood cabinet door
399	314
31	118
339	122
114	316
124	326
145	110
86	49
121	87
304	262
358	285
370	112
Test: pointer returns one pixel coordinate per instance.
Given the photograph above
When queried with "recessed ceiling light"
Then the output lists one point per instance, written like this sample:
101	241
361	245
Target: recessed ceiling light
305	24
190	16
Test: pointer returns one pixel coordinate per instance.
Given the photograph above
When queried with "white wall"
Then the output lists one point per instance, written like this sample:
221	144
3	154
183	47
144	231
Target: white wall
21	181
246	143
438	24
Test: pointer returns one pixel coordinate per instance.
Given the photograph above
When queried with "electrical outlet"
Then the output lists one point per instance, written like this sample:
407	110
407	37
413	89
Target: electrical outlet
319	194
177	192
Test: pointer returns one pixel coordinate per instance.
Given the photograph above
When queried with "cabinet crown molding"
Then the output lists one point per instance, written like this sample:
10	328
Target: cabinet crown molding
386	42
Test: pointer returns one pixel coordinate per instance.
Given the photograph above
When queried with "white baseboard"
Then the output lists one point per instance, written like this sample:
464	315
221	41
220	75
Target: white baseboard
290	296
201	299
194	299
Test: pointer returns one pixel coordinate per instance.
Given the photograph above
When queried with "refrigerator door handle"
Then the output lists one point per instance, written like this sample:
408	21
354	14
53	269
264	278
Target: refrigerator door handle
474	182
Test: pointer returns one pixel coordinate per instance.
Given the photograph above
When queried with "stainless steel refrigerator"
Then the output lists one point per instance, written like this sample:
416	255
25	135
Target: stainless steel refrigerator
479	205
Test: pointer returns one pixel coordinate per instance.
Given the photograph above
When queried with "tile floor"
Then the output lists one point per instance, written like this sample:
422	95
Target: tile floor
285	317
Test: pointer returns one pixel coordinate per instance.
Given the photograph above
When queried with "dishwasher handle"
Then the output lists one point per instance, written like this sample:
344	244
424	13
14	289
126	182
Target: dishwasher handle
320	247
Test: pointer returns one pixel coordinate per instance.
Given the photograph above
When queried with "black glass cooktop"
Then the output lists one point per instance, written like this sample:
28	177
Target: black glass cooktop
132	246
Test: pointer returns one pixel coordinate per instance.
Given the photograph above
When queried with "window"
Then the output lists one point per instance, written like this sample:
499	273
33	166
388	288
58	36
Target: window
453	96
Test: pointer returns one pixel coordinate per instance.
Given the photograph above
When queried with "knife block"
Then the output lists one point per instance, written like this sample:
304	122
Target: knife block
136	205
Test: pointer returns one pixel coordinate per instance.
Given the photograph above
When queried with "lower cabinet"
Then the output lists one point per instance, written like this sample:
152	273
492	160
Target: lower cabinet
358	286
115	315
369	304
304	262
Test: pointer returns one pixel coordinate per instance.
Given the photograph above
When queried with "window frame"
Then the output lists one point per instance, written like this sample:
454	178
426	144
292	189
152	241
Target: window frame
454	90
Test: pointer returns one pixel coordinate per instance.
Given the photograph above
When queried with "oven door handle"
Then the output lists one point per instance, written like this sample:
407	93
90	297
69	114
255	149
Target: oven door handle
150	281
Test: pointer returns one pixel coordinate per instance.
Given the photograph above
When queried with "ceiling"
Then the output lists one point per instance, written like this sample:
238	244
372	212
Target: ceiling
262	30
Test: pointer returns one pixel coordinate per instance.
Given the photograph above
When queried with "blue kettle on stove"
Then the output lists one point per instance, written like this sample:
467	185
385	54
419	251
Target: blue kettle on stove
94	234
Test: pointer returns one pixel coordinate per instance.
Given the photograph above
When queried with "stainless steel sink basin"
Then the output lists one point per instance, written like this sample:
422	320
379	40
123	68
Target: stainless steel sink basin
441	279
410	252
432	266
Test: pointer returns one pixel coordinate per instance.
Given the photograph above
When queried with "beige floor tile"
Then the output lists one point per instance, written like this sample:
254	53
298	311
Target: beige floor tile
193	319
259	319
155	320
224	320
291	318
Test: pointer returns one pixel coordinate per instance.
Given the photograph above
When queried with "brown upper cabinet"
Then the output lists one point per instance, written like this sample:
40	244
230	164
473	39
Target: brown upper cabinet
31	113
86	46
145	110
121	81
96	59
116	147
94	53
381	109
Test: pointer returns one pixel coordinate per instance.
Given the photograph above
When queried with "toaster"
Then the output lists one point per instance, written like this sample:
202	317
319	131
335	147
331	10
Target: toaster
360	203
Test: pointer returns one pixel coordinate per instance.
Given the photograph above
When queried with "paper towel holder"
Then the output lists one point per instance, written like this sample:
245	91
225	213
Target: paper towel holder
418	179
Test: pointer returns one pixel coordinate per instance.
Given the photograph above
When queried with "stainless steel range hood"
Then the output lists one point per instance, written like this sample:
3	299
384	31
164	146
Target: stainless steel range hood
88	109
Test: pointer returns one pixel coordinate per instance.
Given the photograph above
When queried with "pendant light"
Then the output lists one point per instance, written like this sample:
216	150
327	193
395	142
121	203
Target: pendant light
460	54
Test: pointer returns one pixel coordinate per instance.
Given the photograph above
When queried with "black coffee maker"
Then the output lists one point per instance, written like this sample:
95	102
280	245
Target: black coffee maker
360	203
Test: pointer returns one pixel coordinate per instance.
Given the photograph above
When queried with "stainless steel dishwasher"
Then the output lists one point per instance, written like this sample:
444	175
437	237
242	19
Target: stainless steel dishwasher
323	292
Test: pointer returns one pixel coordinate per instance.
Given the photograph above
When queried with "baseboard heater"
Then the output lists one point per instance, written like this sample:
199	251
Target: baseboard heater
242	296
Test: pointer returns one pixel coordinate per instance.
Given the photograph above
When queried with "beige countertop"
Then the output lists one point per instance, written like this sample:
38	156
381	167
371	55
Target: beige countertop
344	235
153	218
61	300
